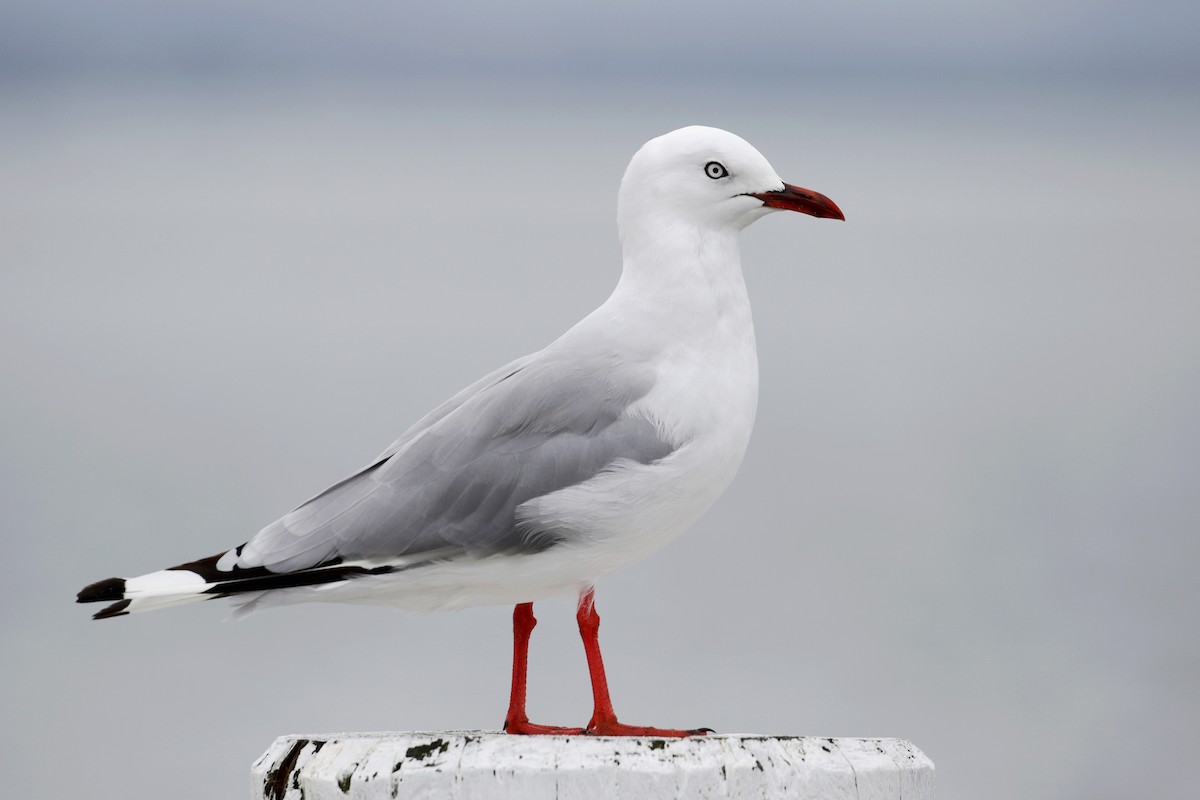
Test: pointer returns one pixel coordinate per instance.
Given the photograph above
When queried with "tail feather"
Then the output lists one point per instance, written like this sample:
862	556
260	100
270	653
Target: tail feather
203	580
106	590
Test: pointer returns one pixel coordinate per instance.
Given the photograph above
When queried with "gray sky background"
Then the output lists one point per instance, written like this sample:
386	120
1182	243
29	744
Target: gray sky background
759	39
236	259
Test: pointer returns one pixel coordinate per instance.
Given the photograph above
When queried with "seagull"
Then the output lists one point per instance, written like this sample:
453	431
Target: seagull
560	467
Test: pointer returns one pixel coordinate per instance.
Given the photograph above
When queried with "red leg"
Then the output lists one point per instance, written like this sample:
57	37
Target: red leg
517	721
604	719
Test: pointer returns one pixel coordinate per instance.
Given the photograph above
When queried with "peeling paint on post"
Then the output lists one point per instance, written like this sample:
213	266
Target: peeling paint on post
494	766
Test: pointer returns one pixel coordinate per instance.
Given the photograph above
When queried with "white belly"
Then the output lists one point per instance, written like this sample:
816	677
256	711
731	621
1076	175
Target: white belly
609	522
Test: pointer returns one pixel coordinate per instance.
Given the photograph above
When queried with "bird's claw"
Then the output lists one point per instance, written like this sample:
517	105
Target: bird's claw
615	728
527	728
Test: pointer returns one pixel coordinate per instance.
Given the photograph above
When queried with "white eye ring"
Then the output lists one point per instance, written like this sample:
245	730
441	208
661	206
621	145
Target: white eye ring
715	170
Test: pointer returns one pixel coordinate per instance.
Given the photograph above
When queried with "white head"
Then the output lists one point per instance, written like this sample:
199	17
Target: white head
706	178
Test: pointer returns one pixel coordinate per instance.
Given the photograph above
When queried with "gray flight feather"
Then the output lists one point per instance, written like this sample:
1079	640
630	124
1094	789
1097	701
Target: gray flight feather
451	484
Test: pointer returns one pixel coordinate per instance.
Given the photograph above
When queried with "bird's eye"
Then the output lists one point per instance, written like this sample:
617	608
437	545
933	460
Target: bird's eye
715	169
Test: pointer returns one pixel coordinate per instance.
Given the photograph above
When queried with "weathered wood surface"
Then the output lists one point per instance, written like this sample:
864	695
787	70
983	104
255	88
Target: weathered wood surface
492	766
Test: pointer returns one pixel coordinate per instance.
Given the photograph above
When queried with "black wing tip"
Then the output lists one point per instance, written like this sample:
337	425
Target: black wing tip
115	610
259	579
104	591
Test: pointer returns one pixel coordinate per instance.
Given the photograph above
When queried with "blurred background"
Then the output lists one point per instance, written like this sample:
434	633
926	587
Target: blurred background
243	246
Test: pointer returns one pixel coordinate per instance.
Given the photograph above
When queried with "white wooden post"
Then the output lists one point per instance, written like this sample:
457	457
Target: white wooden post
493	766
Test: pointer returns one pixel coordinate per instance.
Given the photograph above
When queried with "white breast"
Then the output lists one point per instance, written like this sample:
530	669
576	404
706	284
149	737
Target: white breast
700	342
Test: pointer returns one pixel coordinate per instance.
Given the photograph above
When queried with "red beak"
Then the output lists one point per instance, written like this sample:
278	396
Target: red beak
806	201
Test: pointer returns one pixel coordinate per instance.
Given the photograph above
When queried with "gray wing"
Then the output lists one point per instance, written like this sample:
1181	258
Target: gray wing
451	484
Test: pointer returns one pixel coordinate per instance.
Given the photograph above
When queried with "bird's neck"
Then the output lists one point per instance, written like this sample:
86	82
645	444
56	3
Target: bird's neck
690	273
681	304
